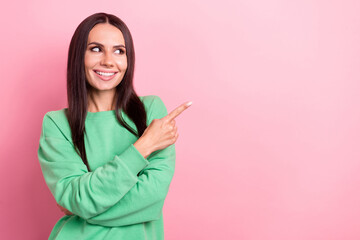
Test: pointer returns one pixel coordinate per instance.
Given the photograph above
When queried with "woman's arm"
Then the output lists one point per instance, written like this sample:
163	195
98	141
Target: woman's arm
84	193
91	194
144	202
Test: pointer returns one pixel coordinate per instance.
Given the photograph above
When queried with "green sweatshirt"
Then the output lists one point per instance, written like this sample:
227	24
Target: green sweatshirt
123	195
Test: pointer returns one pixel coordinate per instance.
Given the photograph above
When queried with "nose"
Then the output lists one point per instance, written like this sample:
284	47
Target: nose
107	60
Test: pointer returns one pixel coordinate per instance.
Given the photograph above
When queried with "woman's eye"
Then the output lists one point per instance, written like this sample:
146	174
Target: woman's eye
120	51
97	49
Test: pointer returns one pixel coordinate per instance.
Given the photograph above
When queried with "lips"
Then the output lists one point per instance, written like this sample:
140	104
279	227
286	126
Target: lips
104	77
106	71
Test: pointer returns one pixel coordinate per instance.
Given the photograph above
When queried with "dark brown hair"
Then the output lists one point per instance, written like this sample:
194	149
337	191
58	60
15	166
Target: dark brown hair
77	86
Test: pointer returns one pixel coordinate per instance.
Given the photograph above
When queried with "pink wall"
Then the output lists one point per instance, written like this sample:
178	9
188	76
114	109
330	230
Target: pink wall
270	147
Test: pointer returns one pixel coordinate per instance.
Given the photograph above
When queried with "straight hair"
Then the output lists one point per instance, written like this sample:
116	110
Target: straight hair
77	87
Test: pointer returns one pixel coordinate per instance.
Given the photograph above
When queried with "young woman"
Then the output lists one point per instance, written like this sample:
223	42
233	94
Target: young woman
108	159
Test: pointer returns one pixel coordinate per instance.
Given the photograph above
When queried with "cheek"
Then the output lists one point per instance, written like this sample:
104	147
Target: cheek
89	61
122	64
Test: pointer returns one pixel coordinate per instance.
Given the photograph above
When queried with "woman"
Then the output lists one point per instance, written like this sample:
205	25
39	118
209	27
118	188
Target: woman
108	159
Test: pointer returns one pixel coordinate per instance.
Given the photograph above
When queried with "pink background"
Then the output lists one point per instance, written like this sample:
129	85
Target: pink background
269	149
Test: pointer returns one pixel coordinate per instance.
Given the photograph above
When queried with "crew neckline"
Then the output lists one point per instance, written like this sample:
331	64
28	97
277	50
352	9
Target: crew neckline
104	114
101	114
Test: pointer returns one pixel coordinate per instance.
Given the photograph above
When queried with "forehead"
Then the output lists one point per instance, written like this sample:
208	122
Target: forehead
106	34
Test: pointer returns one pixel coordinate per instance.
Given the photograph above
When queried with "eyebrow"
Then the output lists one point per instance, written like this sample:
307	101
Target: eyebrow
116	46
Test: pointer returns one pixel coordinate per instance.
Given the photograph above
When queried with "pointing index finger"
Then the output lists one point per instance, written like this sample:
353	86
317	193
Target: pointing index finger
177	111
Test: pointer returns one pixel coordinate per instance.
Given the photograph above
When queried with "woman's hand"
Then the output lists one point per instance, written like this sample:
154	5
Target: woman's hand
64	210
160	133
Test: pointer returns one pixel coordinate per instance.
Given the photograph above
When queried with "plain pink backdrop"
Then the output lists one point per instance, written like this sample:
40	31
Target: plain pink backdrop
269	149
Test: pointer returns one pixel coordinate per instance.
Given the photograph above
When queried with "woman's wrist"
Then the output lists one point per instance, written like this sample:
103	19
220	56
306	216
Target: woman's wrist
143	147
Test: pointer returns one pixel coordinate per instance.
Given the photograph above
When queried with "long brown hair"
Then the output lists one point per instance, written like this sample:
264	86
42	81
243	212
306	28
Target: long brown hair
77	86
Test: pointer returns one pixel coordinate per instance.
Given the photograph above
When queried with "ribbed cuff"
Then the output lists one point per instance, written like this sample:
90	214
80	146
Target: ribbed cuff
133	159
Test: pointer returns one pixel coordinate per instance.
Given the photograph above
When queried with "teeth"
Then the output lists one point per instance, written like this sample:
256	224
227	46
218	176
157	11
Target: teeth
105	74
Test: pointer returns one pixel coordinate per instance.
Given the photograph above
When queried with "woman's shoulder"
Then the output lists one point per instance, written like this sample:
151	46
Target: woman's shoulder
149	99
154	106
152	101
55	123
56	113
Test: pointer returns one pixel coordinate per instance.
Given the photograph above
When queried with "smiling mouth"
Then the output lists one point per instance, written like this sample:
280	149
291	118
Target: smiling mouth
105	76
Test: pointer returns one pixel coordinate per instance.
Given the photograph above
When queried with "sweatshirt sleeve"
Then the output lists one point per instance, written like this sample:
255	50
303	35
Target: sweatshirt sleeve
145	200
84	193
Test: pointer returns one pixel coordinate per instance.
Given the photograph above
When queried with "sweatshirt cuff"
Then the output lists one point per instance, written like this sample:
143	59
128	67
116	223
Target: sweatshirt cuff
133	159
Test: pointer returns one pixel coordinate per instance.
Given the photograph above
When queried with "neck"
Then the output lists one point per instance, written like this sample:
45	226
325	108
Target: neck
99	101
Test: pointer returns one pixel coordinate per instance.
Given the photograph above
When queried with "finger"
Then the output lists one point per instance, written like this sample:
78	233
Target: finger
178	111
173	133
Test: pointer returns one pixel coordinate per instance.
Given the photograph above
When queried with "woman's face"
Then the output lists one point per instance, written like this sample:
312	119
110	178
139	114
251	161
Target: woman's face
105	57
